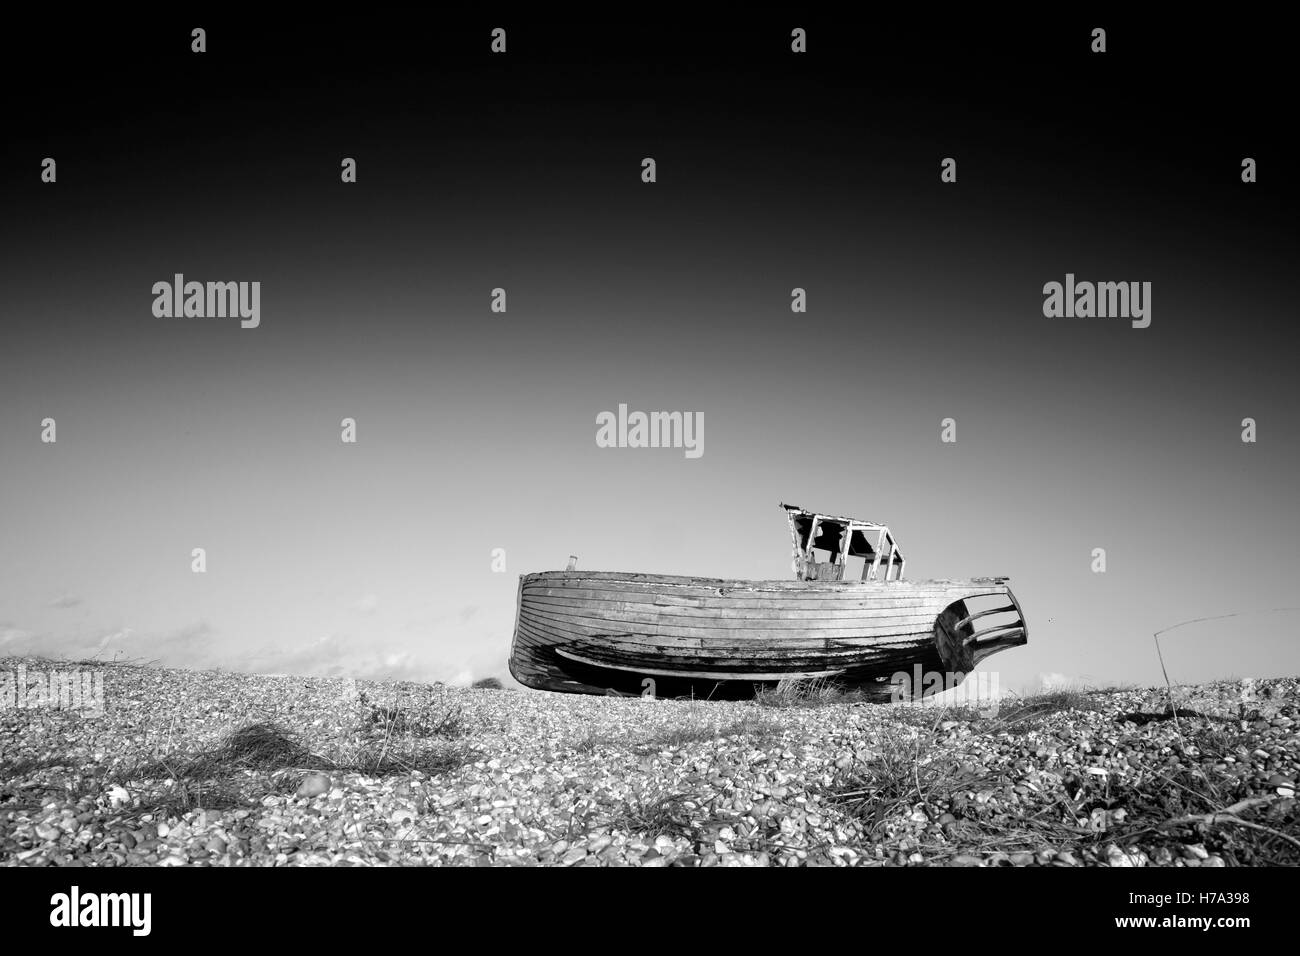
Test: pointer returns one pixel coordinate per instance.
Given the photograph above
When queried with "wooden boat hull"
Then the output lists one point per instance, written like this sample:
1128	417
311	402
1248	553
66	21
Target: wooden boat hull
623	633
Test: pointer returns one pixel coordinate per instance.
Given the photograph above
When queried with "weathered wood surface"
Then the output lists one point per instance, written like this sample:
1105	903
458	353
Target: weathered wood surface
596	632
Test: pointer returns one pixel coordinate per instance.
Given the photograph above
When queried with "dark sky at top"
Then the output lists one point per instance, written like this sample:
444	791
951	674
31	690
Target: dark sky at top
522	171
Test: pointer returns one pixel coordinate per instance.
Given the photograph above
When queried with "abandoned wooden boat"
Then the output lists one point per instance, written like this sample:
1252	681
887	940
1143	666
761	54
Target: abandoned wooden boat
608	632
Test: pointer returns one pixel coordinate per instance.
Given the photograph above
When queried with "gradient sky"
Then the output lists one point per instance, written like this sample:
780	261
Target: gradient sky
477	430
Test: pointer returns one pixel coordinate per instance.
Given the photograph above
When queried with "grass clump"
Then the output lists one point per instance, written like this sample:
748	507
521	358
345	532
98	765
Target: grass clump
264	759
1189	805
900	778
427	720
698	727
806	692
1029	713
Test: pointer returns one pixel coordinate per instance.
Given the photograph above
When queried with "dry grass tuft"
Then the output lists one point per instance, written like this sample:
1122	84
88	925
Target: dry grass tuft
265	759
1026	713
664	813
696	727
806	692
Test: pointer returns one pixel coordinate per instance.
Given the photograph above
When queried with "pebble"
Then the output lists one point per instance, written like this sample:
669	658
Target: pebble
313	785
47	832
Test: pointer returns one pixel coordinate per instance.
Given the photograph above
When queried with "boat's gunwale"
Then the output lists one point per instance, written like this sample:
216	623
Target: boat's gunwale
682	580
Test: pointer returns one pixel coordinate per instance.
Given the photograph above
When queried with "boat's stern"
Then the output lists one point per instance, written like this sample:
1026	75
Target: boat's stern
527	661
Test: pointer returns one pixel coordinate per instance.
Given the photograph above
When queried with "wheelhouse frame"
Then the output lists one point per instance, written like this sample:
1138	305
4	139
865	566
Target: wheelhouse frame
842	538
